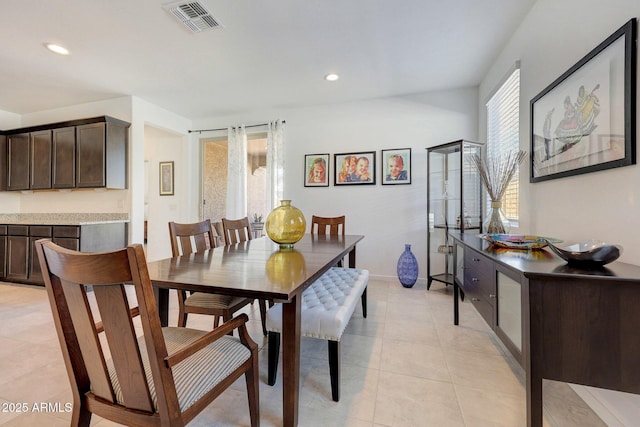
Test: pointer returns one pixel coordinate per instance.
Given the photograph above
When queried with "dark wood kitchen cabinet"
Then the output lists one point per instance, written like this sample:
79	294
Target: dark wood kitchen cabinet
40	160
3	162
86	153
17	253
63	173
20	259
3	251
18	161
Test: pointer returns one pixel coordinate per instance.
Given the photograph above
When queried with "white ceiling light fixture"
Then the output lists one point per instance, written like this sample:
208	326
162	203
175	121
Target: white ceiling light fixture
332	77
193	15
55	48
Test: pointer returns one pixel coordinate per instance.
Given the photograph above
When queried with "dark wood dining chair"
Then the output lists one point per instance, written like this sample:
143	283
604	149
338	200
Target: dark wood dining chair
166	376
193	238
327	225
238	231
332	226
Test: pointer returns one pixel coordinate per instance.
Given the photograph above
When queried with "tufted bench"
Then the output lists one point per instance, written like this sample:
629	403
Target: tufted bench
326	307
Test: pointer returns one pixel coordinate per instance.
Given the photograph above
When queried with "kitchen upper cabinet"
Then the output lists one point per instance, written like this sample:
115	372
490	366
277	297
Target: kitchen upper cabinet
87	153
18	161
64	157
40	160
3	162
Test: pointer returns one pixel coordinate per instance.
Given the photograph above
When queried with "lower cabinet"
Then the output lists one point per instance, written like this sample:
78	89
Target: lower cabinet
495	292
18	258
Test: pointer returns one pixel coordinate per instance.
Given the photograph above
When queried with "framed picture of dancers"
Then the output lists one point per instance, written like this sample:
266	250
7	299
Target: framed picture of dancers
585	120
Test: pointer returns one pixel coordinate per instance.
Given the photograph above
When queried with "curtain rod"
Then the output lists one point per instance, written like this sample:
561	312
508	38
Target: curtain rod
213	130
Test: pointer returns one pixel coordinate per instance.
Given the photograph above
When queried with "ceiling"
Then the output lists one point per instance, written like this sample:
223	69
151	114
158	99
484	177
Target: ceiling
268	54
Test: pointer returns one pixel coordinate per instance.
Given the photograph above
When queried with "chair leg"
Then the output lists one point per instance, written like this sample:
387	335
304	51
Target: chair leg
81	416
334	369
263	316
364	302
274	353
253	391
182	315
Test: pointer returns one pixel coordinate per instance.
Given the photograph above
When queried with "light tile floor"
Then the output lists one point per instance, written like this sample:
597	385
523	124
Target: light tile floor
406	364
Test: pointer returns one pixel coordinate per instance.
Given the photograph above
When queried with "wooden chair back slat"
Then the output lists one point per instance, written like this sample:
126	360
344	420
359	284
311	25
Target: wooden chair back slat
334	225
191	238
236	230
88	340
123	344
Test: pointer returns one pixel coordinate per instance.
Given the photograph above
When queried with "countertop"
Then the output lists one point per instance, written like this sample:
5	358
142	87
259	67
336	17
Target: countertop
62	218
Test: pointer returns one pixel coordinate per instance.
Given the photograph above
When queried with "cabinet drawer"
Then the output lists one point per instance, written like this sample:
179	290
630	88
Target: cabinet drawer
485	309
40	231
66	231
479	276
17	230
3	230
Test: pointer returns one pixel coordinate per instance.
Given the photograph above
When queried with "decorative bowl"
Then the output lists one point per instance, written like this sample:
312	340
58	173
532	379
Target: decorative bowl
590	252
517	241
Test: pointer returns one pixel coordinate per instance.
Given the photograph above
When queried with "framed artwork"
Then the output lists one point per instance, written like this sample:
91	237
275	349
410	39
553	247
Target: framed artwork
354	168
166	178
585	120
316	170
396	166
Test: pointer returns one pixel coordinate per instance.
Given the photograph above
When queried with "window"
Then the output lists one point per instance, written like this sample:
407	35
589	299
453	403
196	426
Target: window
503	133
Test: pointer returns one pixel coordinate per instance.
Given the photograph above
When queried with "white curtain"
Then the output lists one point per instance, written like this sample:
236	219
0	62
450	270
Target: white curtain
275	163
237	173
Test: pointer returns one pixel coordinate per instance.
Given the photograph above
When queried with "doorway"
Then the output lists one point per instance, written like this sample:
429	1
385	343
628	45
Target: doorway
214	177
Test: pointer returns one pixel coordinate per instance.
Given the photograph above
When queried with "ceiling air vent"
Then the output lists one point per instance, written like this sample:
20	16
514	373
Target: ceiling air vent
193	15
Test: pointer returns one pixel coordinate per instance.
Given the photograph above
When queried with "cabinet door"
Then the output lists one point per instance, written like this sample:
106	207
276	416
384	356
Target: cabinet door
3	254
17	257
90	155
18	161
3	162
40	159
64	158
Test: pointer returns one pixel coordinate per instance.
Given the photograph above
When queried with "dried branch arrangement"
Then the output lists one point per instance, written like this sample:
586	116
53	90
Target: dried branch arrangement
496	174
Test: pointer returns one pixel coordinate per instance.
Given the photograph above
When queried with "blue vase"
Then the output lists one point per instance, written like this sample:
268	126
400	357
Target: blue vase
407	268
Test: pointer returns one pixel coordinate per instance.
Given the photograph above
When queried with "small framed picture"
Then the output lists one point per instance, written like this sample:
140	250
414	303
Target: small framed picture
355	168
166	178
316	170
396	166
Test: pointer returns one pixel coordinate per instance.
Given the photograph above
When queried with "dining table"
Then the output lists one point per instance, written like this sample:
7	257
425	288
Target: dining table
259	269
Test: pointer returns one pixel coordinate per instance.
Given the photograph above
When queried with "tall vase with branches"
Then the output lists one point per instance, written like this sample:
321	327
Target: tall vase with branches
496	173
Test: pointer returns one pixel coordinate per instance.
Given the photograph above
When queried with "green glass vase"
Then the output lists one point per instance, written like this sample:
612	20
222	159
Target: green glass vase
286	224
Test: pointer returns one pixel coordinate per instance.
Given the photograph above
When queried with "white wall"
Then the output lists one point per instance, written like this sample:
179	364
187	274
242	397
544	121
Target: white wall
389	216
603	205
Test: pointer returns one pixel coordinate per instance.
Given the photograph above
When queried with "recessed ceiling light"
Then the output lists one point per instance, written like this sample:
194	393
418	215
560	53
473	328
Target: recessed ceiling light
331	77
57	49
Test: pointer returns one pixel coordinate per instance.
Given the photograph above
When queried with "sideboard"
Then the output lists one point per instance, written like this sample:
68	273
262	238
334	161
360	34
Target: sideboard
561	323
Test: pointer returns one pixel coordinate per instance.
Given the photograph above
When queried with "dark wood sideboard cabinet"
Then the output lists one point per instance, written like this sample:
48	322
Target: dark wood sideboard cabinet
18	260
560	322
86	153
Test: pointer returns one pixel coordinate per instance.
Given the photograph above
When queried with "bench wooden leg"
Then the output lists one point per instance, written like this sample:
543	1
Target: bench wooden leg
274	353
364	302
334	369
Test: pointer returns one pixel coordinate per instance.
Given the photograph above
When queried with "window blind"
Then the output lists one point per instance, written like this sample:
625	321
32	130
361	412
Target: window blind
503	133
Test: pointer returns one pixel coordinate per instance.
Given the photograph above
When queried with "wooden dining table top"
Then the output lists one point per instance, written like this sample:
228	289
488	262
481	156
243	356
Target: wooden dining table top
256	268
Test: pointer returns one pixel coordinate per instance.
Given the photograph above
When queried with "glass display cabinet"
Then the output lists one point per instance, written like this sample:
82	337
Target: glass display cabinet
454	202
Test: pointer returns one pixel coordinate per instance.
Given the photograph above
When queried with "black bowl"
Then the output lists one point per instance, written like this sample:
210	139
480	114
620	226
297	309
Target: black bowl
588	253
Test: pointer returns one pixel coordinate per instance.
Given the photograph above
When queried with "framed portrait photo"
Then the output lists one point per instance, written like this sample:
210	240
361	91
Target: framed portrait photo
166	178
585	120
316	170
396	166
355	168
